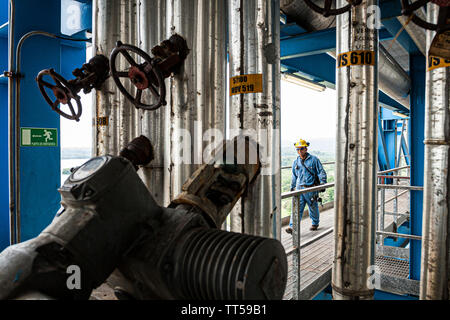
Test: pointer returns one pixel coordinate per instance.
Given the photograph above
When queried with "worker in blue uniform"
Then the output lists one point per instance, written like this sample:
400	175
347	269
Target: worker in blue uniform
307	171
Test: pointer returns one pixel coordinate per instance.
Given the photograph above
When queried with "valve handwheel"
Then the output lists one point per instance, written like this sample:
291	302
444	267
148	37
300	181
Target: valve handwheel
146	75
63	92
444	14
326	11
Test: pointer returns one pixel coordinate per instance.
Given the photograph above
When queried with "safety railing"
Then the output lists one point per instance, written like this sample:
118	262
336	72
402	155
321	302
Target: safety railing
381	187
381	213
296	220
323	164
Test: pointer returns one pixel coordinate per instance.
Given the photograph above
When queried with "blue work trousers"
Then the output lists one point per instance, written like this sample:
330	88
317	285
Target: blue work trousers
307	198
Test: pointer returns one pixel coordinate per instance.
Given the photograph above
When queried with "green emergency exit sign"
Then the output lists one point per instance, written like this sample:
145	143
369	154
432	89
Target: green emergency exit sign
38	137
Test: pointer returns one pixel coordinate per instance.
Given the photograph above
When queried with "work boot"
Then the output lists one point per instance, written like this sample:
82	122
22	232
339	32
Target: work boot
314	227
289	230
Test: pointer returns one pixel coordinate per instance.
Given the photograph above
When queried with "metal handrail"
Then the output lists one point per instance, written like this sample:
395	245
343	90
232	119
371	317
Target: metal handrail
394	169
324	164
399	235
393	177
295	251
399	186
306	190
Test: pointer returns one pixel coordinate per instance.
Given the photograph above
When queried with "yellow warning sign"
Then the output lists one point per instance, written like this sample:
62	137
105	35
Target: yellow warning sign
436	62
246	83
102	121
356	58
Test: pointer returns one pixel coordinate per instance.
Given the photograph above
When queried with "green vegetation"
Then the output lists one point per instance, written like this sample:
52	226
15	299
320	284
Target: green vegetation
288	155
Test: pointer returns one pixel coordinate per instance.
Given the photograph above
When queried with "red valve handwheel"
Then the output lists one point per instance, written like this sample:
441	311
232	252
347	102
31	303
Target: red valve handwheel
144	76
63	93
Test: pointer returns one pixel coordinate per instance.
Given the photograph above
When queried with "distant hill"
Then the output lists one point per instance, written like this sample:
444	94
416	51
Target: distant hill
75	153
326	145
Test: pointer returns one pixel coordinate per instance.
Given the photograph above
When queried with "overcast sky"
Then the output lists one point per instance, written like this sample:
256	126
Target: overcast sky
305	113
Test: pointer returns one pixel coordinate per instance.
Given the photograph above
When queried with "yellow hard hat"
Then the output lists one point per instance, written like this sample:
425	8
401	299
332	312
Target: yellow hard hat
301	143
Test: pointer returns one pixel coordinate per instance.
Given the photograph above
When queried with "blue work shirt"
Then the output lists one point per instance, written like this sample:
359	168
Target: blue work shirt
301	176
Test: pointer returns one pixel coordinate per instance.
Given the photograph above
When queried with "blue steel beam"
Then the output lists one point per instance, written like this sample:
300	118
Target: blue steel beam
383	160
313	43
290	29
416	137
390	9
389	137
4	186
405	150
321	67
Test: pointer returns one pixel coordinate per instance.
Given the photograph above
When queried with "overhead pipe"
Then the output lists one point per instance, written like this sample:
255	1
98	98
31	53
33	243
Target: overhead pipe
254	39
393	80
435	264
356	157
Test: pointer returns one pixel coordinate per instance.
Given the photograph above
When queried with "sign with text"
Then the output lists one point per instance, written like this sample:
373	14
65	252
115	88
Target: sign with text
436	62
246	83
356	58
102	121
38	137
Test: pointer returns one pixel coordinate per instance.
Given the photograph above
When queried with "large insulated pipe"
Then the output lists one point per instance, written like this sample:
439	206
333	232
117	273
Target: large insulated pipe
113	21
152	31
254	52
356	141
196	95
435	268
129	123
393	80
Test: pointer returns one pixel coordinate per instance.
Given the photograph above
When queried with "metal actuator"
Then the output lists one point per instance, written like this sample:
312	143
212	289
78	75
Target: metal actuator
110	221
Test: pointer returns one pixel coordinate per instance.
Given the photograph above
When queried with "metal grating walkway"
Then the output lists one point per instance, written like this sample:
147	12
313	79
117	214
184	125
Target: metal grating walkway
393	266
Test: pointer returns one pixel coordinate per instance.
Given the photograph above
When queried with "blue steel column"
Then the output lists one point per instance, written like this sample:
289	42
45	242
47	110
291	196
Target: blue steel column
416	137
39	167
4	185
